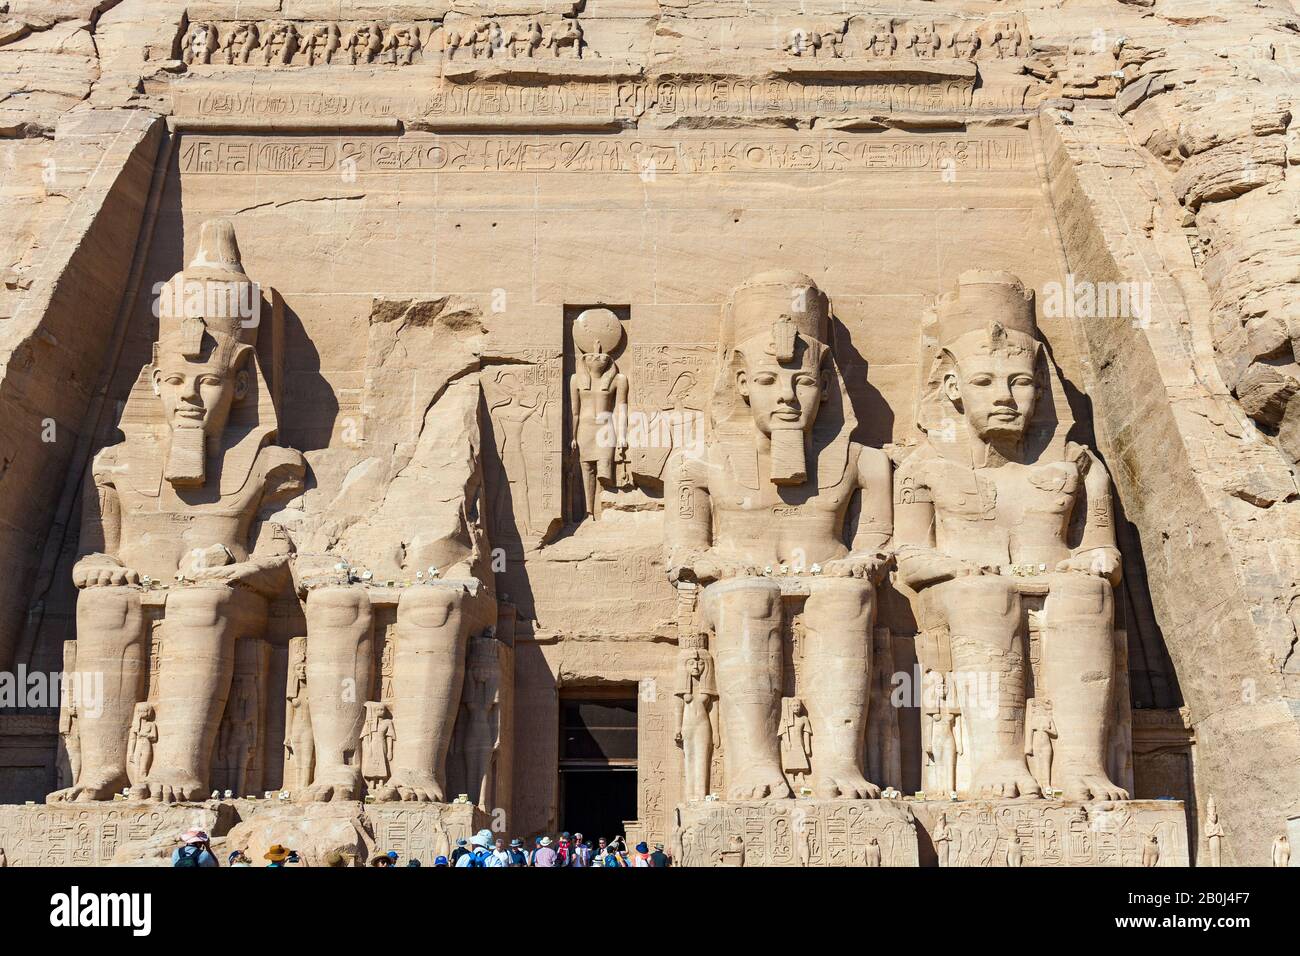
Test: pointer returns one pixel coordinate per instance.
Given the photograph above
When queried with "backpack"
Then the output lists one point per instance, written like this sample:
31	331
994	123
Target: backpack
190	855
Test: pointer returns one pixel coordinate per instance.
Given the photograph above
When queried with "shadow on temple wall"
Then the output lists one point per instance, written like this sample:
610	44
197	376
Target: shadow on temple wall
875	417
505	537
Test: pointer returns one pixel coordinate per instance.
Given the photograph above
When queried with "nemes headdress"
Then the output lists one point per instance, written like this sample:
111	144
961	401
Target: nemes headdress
784	307
208	313
784	314
989	311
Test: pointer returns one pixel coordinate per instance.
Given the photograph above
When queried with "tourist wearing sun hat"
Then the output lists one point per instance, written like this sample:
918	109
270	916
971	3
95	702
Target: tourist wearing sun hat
480	848
545	856
462	847
277	855
518	855
194	850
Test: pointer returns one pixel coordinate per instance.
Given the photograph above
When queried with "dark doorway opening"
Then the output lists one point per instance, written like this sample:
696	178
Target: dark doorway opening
598	780
596	802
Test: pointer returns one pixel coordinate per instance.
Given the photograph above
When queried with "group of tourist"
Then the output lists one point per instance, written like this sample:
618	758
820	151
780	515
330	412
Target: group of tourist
483	849
480	850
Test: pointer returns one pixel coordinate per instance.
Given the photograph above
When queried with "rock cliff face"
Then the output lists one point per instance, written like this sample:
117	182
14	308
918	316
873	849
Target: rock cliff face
432	195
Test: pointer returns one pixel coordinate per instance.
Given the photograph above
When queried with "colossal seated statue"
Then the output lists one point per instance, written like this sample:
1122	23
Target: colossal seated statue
765	510
991	519
395	524
181	500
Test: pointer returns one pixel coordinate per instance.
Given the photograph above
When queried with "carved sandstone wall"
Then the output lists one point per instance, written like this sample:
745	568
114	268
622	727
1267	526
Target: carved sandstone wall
649	159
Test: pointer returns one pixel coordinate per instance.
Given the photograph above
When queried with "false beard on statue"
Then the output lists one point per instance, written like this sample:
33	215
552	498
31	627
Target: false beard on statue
185	458
789	456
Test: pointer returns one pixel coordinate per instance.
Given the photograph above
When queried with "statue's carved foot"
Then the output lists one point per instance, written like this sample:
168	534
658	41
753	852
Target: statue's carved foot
758	783
1004	780
846	783
1094	785
383	793
338	785
88	789
174	786
417	786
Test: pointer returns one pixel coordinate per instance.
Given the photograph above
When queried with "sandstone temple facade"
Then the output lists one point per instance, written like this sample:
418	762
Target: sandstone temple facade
800	434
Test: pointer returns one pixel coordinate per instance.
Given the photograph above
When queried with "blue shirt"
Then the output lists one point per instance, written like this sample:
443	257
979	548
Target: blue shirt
205	857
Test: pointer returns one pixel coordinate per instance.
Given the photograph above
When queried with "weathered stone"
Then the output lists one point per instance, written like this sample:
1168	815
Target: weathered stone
636	345
1265	392
1053	833
97	834
796	833
142	833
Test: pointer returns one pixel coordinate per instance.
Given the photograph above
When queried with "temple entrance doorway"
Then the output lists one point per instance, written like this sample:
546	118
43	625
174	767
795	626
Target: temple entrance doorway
598	779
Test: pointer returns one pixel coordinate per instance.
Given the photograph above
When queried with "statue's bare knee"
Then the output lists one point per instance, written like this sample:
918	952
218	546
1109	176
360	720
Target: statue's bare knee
1079	595
199	607
429	607
834	602
755	599
337	607
109	609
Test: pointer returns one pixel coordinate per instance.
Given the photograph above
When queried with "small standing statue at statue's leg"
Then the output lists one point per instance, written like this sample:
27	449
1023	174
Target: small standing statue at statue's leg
696	700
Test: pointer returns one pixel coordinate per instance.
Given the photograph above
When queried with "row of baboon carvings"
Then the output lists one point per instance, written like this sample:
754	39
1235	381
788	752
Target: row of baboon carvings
921	39
777	522
288	43
292	43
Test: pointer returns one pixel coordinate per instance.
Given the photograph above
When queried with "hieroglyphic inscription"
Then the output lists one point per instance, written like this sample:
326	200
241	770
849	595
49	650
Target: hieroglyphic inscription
645	156
607	99
797	832
1060	834
53	835
654	740
766	97
425	832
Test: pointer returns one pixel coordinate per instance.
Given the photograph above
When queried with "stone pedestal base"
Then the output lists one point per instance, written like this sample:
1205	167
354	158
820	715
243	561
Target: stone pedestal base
838	832
794	833
1053	832
133	833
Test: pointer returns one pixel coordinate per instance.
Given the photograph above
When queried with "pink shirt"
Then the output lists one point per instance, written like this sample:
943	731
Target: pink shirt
545	856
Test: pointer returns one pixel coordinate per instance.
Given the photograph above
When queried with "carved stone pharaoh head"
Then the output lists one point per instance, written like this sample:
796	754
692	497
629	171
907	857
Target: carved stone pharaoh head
203	360
781	328
993	373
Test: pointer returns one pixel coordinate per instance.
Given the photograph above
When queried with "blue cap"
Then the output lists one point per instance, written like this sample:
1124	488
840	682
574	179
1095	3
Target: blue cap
392	854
